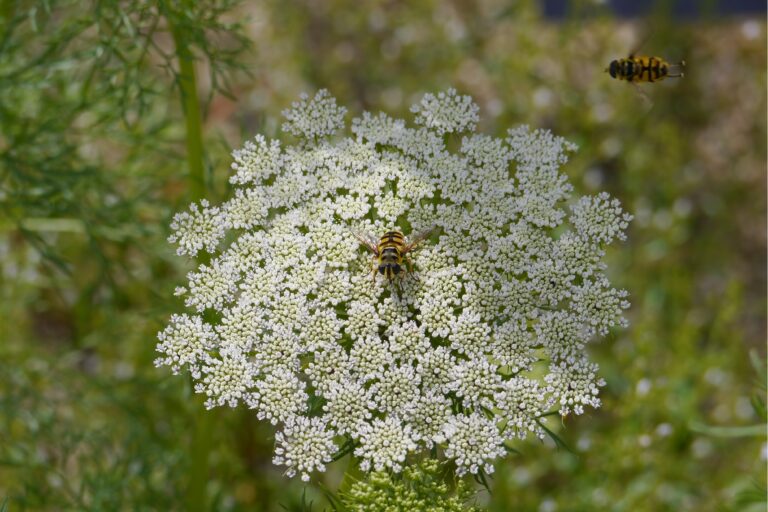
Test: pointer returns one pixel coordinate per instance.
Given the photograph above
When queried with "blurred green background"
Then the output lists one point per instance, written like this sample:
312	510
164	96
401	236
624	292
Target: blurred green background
98	124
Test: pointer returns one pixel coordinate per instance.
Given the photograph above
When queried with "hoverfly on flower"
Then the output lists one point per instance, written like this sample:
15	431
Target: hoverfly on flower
390	253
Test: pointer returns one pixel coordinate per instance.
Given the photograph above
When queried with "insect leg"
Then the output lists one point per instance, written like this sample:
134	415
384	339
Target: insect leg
396	290
374	262
409	266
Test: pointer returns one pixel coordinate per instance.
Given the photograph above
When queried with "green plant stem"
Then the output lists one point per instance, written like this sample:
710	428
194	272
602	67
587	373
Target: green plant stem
202	436
201	445
352	474
7	10
187	81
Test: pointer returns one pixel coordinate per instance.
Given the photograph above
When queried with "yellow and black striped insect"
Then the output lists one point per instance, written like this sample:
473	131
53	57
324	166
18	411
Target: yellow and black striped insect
390	253
641	68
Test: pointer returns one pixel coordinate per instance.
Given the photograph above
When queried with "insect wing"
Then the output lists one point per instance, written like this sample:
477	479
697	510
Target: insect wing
640	43
415	240
367	240
647	102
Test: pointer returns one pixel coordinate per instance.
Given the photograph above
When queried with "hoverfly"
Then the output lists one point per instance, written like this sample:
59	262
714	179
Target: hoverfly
641	68
390	253
637	69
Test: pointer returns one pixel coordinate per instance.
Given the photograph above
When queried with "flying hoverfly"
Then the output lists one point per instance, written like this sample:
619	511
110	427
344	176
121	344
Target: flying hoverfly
642	68
637	69
390	253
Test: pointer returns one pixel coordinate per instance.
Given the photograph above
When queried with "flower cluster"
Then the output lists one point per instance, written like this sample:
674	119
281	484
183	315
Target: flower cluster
447	112
480	340
420	487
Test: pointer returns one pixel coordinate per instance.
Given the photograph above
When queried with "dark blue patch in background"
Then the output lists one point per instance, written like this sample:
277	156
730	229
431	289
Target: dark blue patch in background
683	9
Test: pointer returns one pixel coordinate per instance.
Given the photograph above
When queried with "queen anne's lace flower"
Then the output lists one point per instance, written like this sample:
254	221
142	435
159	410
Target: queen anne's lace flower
396	389
228	380
348	406
197	229
574	384
429	415
475	382
212	286
473	349
522	403
185	342
447	112
317	117
473	441
600	218
280	396
257	161
385	443
304	445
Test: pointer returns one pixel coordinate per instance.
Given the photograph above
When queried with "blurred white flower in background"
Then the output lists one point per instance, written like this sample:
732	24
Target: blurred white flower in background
472	352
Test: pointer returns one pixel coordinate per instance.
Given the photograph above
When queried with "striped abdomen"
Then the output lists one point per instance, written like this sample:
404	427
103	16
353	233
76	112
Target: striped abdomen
639	69
390	251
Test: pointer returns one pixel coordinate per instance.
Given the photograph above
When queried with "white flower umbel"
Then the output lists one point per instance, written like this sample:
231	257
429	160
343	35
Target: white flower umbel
257	161
385	444
475	382
429	416
348	406
480	341
227	381
197	229
600	218
317	117
575	384
280	395
521	403
396	390
304	445
447	112
185	342
473	442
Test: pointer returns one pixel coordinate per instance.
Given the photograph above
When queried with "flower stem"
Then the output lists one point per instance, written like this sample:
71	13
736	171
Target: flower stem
7	11
187	81
352	474
202	436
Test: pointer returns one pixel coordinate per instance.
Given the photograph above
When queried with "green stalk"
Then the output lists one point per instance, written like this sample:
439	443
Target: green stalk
7	11
193	117
352	474
202	436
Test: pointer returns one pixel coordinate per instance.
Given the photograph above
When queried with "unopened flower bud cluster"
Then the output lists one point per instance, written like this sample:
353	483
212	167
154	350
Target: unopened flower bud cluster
465	354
